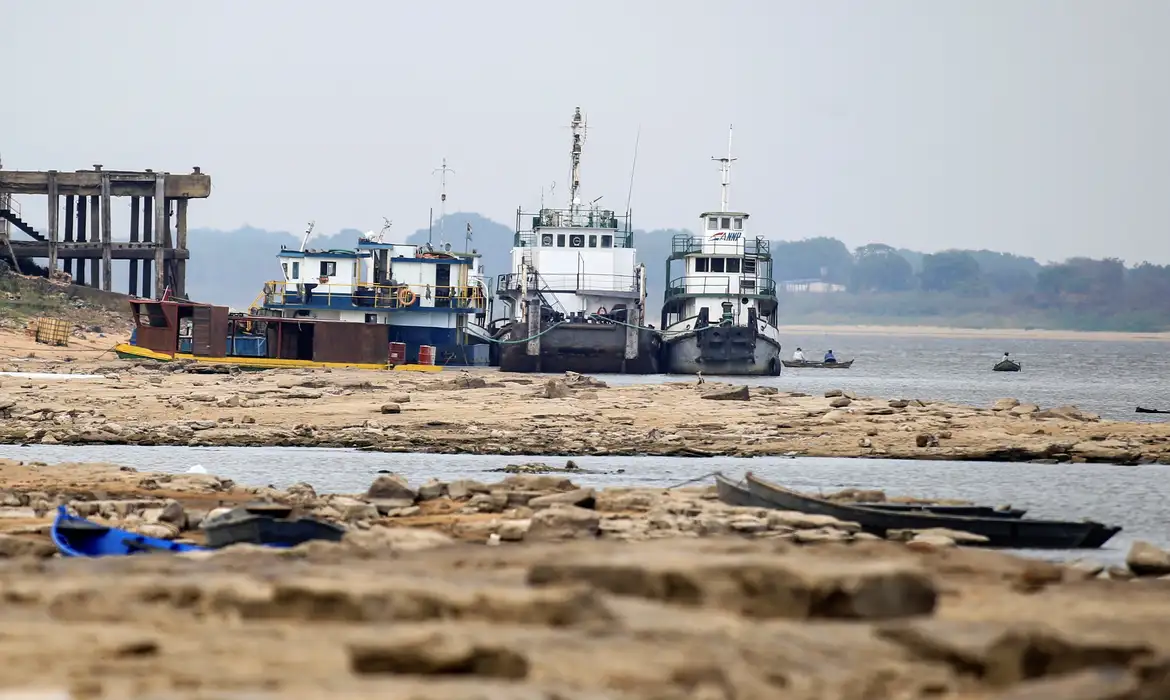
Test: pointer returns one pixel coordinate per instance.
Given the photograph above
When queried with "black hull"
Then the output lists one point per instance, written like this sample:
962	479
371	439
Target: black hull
1000	532
588	348
737	494
1150	410
1006	366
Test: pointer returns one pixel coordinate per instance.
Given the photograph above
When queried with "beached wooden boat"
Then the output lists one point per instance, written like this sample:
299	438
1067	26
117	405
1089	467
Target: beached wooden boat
805	364
1006	366
78	537
1001	532
737	494
1149	410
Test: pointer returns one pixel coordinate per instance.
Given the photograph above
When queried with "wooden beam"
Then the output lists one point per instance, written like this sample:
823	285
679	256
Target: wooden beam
135	202
147	226
107	238
95	234
54	207
160	226
181	244
89	183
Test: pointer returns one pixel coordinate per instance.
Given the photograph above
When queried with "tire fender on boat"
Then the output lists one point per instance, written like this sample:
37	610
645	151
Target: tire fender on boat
774	367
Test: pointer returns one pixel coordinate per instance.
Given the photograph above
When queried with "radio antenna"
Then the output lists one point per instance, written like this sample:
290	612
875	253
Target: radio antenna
633	167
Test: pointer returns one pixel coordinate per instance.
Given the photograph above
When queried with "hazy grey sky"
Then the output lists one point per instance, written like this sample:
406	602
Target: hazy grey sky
1035	126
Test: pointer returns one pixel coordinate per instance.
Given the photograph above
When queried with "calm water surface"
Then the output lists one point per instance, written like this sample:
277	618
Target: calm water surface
1134	497
1104	377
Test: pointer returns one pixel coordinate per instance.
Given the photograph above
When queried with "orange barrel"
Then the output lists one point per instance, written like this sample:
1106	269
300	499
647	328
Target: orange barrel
397	353
426	354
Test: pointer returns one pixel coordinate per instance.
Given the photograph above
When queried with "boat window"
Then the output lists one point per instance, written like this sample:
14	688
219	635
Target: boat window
749	266
700	264
546	240
606	240
592	241
371	318
738	223
716	264
726	222
560	240
577	241
733	264
328	268
284	267
296	271
712	224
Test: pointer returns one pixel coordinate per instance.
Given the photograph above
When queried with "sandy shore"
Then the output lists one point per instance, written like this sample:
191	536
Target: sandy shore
487	412
990	333
621	594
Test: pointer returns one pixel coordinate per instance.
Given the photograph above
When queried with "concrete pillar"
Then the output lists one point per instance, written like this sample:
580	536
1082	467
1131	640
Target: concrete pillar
147	228
81	221
54	207
70	221
107	236
133	281
160	228
181	244
95	235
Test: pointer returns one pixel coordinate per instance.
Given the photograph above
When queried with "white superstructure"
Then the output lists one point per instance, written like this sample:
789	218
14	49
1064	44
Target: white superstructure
579	260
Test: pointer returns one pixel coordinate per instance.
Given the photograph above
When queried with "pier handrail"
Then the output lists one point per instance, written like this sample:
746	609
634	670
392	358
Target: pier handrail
375	296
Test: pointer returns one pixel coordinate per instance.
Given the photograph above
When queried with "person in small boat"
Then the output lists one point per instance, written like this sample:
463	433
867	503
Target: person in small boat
830	358
1005	358
798	356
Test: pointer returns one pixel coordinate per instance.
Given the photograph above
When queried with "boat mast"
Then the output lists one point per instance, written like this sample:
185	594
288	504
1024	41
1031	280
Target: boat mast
443	170
578	127
725	170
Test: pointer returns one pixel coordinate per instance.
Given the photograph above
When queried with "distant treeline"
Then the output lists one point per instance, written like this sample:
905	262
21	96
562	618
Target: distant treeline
888	284
975	288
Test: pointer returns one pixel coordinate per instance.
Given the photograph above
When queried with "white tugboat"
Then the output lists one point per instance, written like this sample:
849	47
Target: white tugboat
575	296
719	317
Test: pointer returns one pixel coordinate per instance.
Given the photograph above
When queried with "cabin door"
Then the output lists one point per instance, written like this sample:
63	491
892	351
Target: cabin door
442	286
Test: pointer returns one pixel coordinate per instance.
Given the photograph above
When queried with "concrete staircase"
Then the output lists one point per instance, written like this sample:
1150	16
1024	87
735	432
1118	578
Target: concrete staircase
11	214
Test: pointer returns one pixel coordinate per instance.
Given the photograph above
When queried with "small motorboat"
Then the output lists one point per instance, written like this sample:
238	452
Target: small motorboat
78	537
1149	410
1006	366
806	364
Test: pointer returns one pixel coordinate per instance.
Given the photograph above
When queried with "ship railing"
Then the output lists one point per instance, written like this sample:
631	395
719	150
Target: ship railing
374	296
580	217
731	244
727	285
575	283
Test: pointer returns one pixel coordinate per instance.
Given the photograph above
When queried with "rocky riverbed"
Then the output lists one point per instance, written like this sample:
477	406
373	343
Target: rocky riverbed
615	594
487	412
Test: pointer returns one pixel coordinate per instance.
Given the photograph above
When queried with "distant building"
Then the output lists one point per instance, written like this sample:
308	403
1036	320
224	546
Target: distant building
814	286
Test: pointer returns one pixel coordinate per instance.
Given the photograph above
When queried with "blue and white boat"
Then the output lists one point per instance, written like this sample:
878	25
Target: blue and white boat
434	301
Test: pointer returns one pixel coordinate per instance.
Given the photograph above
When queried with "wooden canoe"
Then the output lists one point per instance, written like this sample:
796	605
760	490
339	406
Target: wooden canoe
1149	410
817	365
737	494
1000	532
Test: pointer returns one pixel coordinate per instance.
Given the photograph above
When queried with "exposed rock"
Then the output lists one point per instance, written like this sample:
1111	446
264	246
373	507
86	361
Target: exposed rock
840	402
736	393
833	393
1005	404
926	440
562	522
514	530
583	498
390	487
898	403
18	546
390	408
1024	409
1144	559
431	490
555	389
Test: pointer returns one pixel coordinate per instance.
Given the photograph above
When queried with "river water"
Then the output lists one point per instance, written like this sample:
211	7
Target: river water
1133	497
1109	378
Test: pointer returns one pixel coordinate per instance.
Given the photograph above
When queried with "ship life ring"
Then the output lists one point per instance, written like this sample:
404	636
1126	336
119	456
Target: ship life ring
601	311
406	297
